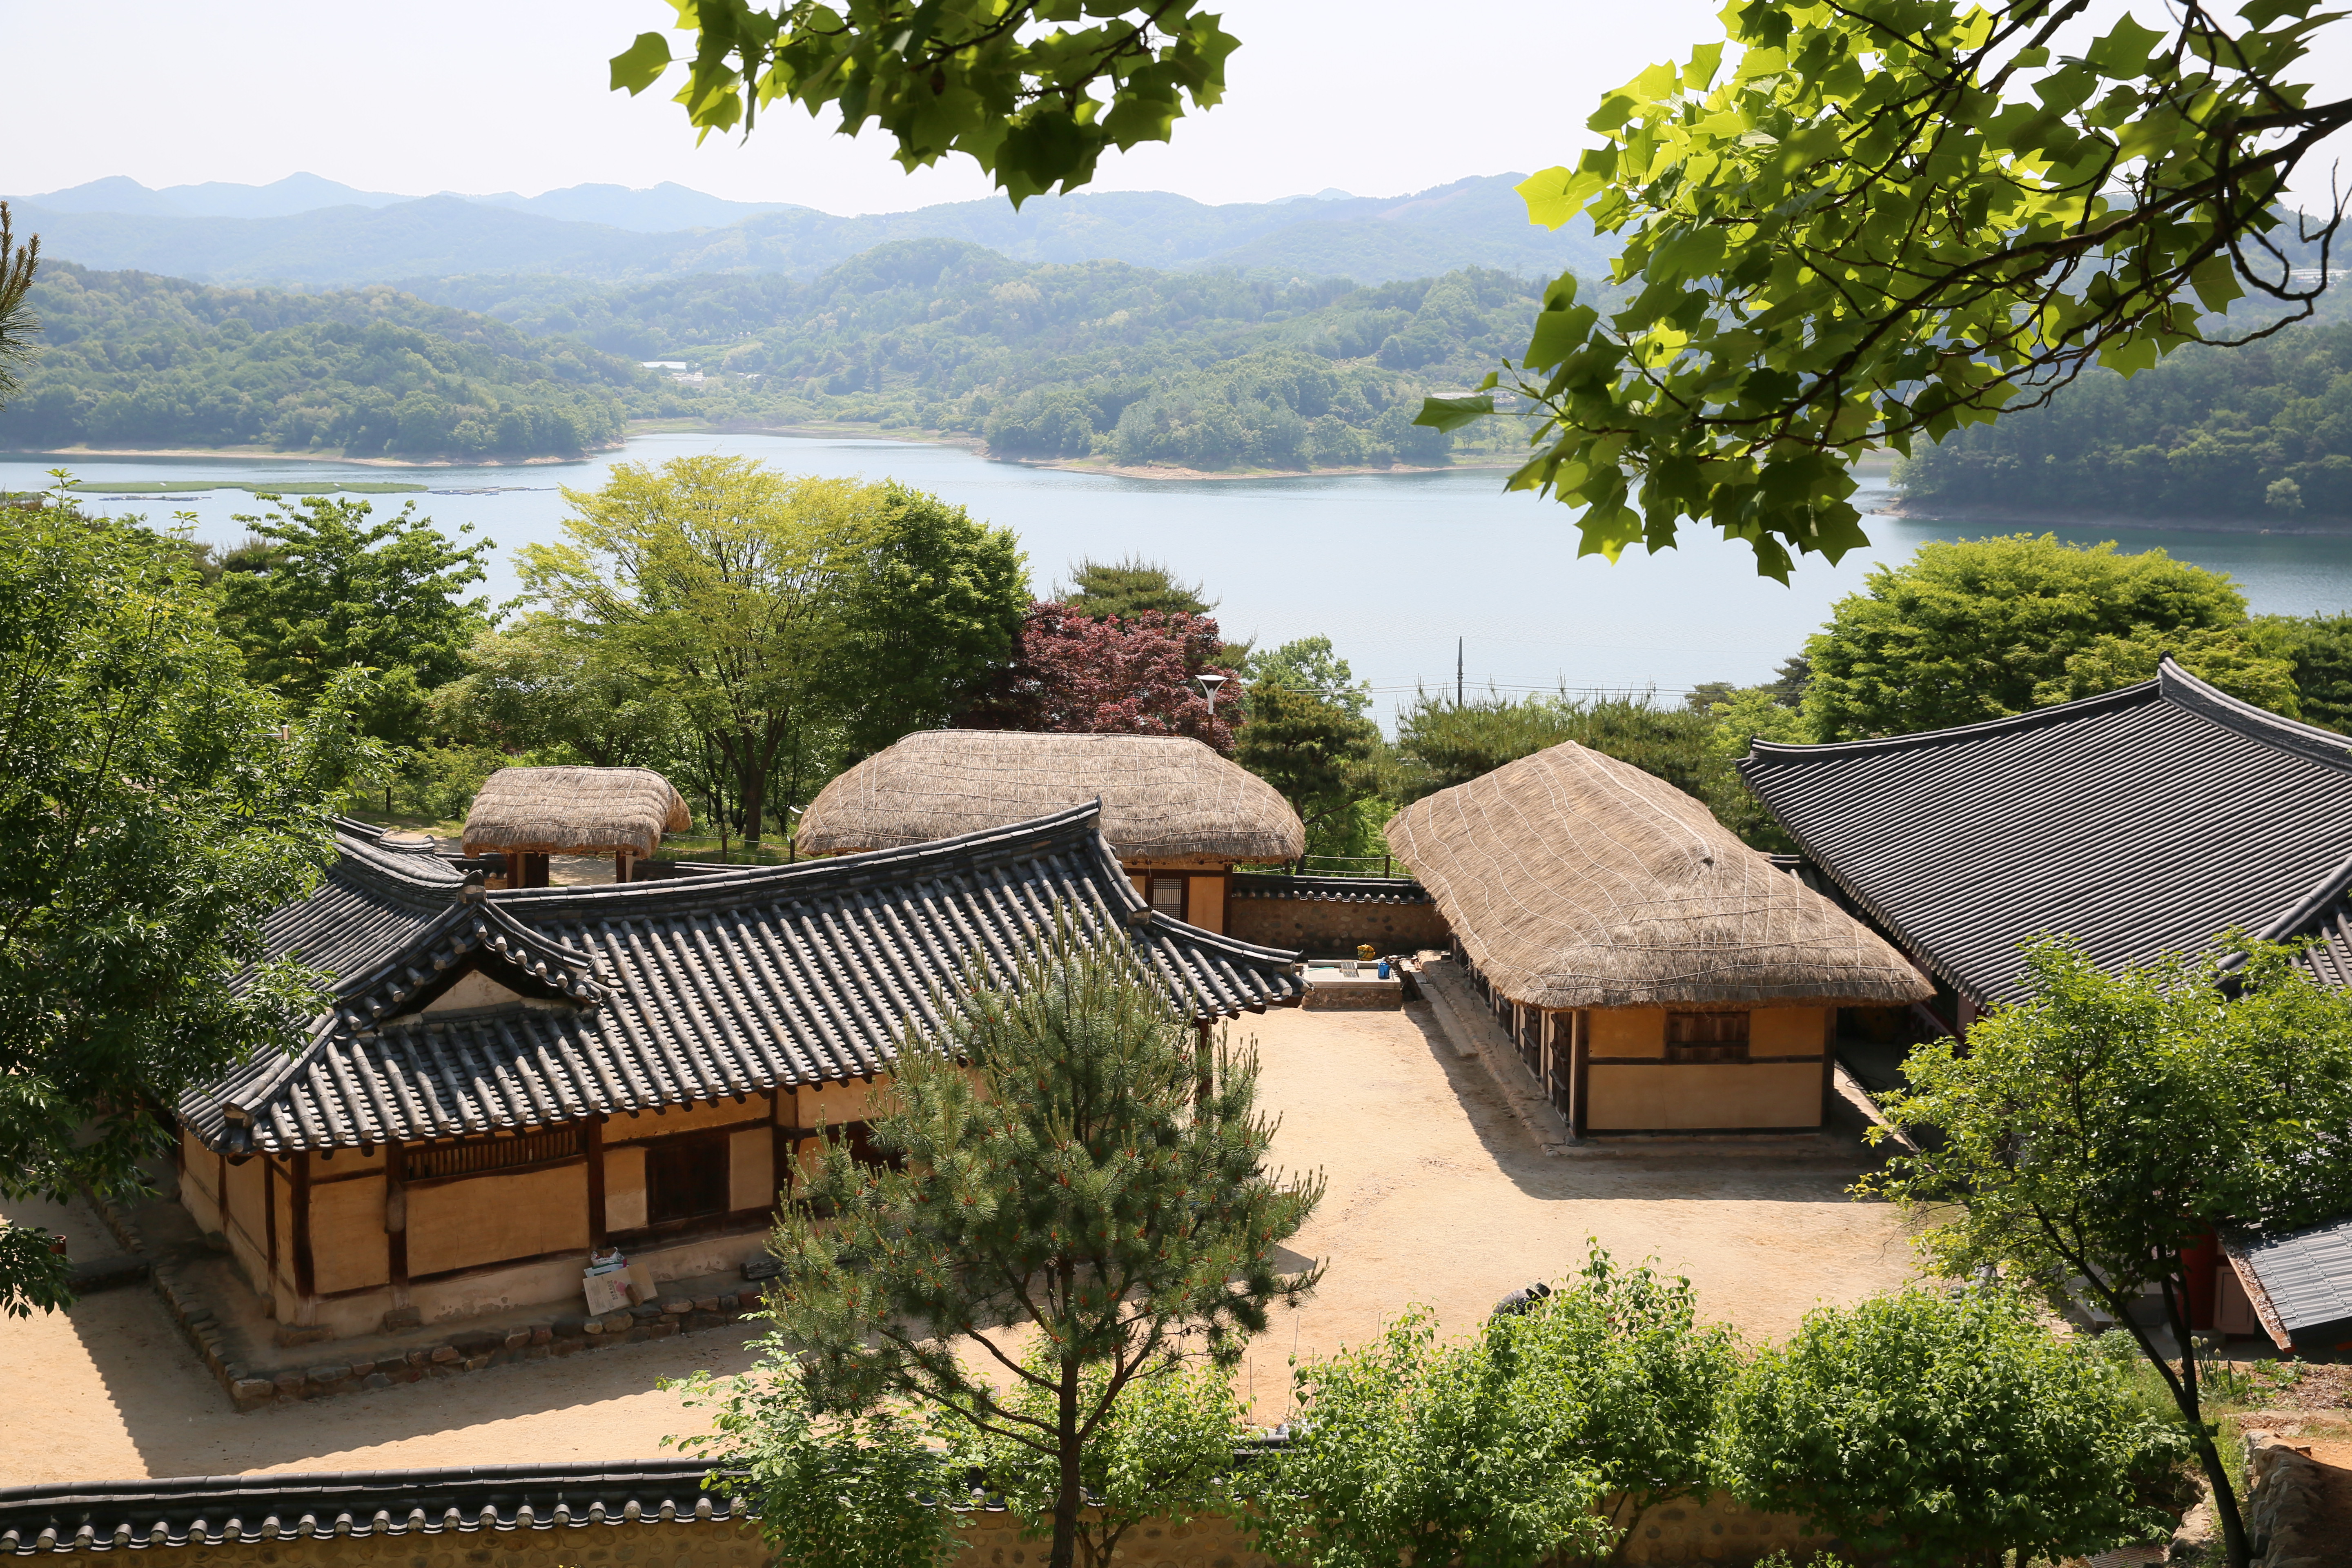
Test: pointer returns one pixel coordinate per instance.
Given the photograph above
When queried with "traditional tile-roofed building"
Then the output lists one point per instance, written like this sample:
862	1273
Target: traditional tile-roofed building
2142	821
504	1078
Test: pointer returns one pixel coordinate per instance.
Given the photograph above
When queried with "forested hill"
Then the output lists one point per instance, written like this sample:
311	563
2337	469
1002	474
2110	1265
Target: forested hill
1208	370
2259	432
128	359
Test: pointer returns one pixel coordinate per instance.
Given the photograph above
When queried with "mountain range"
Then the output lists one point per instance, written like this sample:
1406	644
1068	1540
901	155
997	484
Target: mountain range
305	230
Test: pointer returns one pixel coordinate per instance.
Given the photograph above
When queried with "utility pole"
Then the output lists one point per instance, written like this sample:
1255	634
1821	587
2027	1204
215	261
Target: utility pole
1457	672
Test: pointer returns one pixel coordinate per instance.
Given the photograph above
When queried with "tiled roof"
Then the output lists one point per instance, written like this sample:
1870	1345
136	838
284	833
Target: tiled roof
1330	889
102	1516
2142	821
654	993
2305	1281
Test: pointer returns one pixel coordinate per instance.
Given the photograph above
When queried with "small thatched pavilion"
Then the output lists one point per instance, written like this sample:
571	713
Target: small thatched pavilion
1658	974
529	814
1179	816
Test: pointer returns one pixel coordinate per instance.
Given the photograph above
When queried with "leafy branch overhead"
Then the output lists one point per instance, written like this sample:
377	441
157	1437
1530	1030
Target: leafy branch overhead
1033	90
1873	222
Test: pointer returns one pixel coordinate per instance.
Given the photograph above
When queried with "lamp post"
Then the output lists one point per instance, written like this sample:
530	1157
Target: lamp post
1208	681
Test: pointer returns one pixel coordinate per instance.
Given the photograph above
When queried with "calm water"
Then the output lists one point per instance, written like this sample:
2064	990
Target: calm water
1391	568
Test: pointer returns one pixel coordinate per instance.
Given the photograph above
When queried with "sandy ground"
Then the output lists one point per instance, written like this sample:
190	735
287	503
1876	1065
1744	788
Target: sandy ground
1437	1194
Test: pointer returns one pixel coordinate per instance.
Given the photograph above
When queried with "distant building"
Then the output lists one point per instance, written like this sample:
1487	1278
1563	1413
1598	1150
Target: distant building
1658	975
1179	816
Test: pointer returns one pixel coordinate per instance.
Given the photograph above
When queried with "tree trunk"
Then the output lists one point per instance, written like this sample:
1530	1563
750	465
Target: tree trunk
1070	1495
751	789
2234	1545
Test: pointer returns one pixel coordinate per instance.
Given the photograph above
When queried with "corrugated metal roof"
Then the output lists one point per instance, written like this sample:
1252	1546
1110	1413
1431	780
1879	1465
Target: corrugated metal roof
2142	821
2306	1281
667	993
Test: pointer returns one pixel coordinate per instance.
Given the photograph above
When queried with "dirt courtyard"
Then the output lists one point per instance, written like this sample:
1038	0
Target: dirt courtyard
1437	1195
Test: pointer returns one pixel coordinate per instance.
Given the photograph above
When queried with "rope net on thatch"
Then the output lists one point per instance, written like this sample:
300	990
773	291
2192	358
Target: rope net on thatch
1572	880
574	811
1164	796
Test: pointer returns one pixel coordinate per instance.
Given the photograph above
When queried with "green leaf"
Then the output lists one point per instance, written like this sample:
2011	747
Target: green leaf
640	65
1454	413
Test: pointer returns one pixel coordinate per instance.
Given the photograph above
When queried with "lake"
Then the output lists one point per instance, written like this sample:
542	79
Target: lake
1392	568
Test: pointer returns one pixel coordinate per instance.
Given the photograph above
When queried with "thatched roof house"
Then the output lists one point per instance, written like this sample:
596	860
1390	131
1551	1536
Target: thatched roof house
529	814
1178	815
1621	927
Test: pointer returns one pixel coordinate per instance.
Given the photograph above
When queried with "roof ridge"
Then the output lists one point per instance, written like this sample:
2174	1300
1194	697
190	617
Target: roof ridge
416	875
2209	701
2032	717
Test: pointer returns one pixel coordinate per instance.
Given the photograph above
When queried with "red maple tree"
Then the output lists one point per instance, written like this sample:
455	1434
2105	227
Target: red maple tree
1075	674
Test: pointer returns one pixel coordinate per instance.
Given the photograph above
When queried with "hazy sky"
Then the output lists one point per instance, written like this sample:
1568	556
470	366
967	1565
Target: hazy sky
1376	96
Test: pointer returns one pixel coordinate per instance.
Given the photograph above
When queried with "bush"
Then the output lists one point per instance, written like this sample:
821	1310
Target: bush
1926	1425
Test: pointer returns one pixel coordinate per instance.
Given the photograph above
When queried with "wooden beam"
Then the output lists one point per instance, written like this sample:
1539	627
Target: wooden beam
1580	1082
396	1216
596	1180
1829	1061
306	1284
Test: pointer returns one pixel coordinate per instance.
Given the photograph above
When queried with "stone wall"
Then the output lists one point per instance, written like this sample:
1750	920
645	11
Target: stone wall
1331	926
1717	1533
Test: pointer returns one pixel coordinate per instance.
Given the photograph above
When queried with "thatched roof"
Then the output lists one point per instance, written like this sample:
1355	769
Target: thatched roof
1572	880
1164	796
574	811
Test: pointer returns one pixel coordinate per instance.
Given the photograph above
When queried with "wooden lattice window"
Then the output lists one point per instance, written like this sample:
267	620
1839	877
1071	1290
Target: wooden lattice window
1707	1036
473	1156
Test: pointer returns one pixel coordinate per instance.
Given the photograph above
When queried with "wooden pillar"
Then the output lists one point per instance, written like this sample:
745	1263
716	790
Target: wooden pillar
1204	1066
621	867
781	1165
1580	1082
597	1235
306	1284
1828	1062
395	1218
269	1222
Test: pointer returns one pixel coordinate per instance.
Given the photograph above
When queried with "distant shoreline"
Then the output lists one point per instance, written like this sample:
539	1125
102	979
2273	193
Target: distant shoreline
2140	522
66	458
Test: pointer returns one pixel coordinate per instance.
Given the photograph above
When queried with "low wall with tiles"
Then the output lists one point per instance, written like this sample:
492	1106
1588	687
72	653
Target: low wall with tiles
1306	915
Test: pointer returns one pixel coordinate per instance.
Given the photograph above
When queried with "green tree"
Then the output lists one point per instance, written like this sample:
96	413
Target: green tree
157	805
1869	225
1075	1167
2164	1100
1500	1448
1164	1452
1971	629
930	620
729	586
1310	665
322	589
16	322
1928	1427
1011	86
861	1490
2319	650
1121	589
543	684
2231	657
1311	749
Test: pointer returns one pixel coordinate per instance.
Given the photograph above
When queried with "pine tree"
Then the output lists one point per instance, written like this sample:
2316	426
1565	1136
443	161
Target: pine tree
1073	1165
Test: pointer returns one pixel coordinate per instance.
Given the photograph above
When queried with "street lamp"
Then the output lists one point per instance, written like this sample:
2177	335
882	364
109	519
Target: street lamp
1208	680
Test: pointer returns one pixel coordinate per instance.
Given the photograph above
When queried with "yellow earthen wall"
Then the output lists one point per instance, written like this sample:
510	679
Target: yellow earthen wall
1628	1032
1204	902
199	1182
348	1246
625	1188
1787	1031
343	1162
490	1219
248	1228
1684	1096
750	1169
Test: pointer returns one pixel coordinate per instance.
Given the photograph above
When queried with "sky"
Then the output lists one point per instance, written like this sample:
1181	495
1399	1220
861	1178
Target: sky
1373	97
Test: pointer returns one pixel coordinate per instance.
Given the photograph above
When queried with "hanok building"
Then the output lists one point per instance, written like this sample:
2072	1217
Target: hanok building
1180	816
2144	821
528	815
504	1079
1658	975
